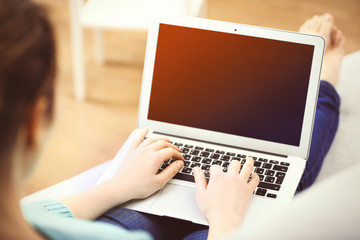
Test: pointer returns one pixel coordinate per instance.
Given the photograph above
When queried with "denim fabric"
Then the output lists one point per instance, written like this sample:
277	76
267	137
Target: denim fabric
159	227
325	127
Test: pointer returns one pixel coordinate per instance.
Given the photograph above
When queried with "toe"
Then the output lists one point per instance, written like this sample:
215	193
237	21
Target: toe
316	23
305	27
337	39
328	17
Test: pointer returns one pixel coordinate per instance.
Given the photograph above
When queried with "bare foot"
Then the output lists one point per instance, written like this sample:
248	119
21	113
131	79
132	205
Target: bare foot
324	26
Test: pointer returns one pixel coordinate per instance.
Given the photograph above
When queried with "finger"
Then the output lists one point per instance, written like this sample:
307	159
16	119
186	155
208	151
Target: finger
151	140
254	182
160	144
215	170
247	169
234	167
200	180
170	171
139	135
167	153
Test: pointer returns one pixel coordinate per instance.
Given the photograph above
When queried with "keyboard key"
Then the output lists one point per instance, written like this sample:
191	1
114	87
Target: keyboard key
269	172
279	180
243	161
220	152
280	174
194	152
205	167
263	160
267	165
261	192
261	177
195	164
185	177
257	164
178	144
236	158
170	142
269	179
274	162
215	156
187	157
230	154
253	158
241	156
206	161
217	162
189	146
196	159
270	195
186	163
225	158
186	170
164	165
199	148
225	164
172	160
225	169
185	150
209	150
269	186
204	154
280	168
259	170
285	164
207	174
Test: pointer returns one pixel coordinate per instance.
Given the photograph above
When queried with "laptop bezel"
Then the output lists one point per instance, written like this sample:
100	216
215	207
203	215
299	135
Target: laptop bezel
300	151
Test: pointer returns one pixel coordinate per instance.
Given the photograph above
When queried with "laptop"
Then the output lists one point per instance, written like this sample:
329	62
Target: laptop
223	91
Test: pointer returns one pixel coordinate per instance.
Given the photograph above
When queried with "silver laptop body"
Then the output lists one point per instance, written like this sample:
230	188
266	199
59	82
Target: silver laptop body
235	89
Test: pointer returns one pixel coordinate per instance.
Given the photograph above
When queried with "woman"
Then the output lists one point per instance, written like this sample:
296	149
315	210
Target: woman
27	71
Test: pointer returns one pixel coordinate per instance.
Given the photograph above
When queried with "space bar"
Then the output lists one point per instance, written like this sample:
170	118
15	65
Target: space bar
269	186
189	178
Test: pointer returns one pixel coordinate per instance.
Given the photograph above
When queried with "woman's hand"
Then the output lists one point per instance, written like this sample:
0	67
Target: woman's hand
225	199
138	172
136	177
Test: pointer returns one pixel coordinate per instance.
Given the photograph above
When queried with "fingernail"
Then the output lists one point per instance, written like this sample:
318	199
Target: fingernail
179	164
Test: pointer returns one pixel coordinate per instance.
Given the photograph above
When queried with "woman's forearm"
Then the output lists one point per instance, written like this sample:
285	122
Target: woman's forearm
92	203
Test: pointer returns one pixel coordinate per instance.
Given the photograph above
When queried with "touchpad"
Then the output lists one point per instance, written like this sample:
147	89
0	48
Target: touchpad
179	202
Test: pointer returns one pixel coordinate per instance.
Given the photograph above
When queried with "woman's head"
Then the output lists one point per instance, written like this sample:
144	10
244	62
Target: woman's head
27	71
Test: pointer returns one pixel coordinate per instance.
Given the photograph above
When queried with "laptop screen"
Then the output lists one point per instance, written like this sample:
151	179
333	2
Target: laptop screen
230	83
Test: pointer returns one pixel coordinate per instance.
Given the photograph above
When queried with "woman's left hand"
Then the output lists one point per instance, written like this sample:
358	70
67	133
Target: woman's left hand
138	172
137	177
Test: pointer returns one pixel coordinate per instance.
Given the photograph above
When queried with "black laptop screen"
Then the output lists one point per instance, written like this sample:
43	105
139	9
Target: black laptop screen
230	83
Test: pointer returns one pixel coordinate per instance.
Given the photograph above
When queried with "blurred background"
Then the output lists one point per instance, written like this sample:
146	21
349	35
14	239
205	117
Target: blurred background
89	132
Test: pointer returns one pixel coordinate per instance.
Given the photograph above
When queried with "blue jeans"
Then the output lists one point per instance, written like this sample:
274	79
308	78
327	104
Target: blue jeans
325	127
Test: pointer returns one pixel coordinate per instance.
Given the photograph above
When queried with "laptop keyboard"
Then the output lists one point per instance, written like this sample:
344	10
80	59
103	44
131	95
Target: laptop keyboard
271	172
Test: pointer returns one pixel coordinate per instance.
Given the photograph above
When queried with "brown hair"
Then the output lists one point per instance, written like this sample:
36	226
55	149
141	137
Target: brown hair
27	65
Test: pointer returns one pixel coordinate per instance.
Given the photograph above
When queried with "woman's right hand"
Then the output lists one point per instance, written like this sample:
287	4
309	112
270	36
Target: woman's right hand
225	199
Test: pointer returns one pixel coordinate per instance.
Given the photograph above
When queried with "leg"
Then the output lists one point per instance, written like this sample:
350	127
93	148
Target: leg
325	126
98	45
198	235
158	226
133	220
327	112
77	49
